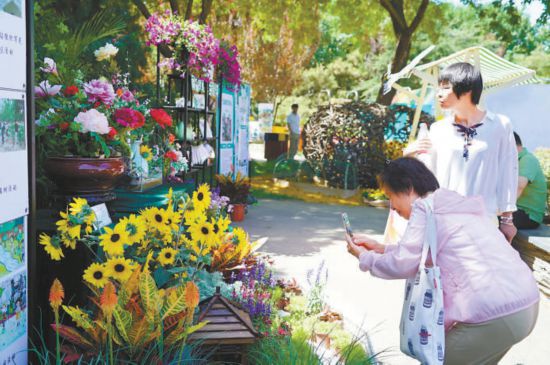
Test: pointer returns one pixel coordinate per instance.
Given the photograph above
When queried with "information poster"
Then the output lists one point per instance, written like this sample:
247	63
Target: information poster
242	137
12	45
265	116
226	123
14	182
14	195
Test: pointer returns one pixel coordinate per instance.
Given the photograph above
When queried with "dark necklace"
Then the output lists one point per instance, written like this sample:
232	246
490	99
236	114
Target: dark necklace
468	133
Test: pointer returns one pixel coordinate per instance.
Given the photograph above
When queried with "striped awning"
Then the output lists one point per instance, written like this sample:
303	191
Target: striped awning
496	71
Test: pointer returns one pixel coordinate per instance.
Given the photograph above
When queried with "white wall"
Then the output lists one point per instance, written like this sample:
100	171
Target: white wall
528	107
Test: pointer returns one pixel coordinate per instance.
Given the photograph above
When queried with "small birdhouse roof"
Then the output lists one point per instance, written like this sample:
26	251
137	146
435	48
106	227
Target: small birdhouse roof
227	324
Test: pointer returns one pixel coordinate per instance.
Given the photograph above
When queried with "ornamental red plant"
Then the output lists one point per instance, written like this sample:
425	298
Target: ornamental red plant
112	133
128	117
70	90
161	117
171	155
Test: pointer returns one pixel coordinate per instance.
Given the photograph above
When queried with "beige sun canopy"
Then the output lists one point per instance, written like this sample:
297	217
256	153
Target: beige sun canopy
497	74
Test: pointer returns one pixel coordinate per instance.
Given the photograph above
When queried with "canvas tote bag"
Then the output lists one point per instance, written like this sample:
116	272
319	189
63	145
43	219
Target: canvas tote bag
422	328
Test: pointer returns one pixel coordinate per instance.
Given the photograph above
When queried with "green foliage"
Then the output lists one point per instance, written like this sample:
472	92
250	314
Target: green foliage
70	31
293	350
207	283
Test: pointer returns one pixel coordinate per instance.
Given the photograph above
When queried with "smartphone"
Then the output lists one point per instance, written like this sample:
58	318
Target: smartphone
347	226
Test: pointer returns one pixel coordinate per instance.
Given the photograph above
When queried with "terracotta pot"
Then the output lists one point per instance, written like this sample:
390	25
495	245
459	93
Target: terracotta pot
82	176
237	215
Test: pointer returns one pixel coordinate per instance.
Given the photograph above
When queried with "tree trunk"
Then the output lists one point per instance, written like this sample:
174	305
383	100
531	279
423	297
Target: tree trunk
399	61
189	10
205	11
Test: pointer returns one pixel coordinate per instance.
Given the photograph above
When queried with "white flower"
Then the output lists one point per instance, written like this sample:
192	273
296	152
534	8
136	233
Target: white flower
51	67
45	89
105	52
93	121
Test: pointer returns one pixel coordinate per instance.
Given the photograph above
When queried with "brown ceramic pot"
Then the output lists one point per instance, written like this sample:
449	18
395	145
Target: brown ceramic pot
84	175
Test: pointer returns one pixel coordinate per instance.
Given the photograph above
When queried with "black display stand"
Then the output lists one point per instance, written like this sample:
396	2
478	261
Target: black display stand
181	86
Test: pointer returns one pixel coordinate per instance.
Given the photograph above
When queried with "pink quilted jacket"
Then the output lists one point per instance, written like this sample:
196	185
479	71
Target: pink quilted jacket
483	277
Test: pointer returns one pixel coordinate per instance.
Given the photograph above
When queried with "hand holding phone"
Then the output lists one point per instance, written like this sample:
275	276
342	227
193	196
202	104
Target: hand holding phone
347	226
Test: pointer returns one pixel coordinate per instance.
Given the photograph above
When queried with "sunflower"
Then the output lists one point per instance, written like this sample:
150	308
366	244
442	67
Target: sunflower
146	152
113	240
97	275
201	197
68	241
156	218
135	226
120	268
78	205
55	252
66	226
173	219
239	236
167	256
203	232
192	216
220	225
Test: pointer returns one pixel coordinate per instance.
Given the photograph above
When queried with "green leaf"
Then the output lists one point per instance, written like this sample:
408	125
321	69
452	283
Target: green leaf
149	296
123	320
174	304
161	276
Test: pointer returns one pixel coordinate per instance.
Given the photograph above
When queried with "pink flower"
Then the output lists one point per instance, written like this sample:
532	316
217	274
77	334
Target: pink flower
93	121
127	96
45	89
50	66
128	117
98	90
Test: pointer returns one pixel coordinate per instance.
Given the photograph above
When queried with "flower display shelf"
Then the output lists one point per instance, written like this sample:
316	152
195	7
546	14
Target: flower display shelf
180	88
229	329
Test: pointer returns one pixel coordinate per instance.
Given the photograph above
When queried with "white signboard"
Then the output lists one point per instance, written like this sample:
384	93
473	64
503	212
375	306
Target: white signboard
14	181
12	45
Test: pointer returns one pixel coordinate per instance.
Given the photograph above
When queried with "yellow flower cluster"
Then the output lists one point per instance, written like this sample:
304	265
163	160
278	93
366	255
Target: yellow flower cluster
184	233
76	221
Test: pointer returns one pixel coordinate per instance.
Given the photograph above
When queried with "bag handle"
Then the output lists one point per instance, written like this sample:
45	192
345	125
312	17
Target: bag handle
430	241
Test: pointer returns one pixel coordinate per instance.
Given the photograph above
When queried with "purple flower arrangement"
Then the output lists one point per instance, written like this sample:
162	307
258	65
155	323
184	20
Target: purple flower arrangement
162	28
205	52
255	292
217	201
229	67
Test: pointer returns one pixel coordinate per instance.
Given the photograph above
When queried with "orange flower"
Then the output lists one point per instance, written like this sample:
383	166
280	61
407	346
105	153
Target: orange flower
119	92
56	294
108	299
191	295
171	138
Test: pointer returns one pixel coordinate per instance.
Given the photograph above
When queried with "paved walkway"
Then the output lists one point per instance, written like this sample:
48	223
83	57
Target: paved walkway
302	235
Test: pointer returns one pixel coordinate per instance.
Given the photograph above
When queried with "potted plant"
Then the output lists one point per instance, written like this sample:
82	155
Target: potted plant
85	129
237	190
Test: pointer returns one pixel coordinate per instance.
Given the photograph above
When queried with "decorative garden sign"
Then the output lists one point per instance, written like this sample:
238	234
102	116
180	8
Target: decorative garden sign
14	183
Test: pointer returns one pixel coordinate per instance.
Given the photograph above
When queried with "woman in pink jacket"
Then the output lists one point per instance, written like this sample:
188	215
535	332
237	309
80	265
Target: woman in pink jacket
490	295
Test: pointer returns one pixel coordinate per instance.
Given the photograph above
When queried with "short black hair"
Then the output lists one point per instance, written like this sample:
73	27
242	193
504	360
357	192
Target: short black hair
518	140
406	173
464	78
294	106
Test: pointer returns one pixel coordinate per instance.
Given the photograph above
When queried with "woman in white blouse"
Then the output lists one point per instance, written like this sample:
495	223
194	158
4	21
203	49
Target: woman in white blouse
472	151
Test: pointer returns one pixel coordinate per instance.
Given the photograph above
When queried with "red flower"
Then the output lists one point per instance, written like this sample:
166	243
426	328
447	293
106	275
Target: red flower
64	126
70	90
161	117
96	104
171	155
171	138
112	133
128	117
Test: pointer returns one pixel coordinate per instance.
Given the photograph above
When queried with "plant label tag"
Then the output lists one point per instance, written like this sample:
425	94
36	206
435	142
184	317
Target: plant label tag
101	215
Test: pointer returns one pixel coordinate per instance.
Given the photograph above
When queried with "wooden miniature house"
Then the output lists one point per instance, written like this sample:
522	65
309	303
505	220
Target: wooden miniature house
228	332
